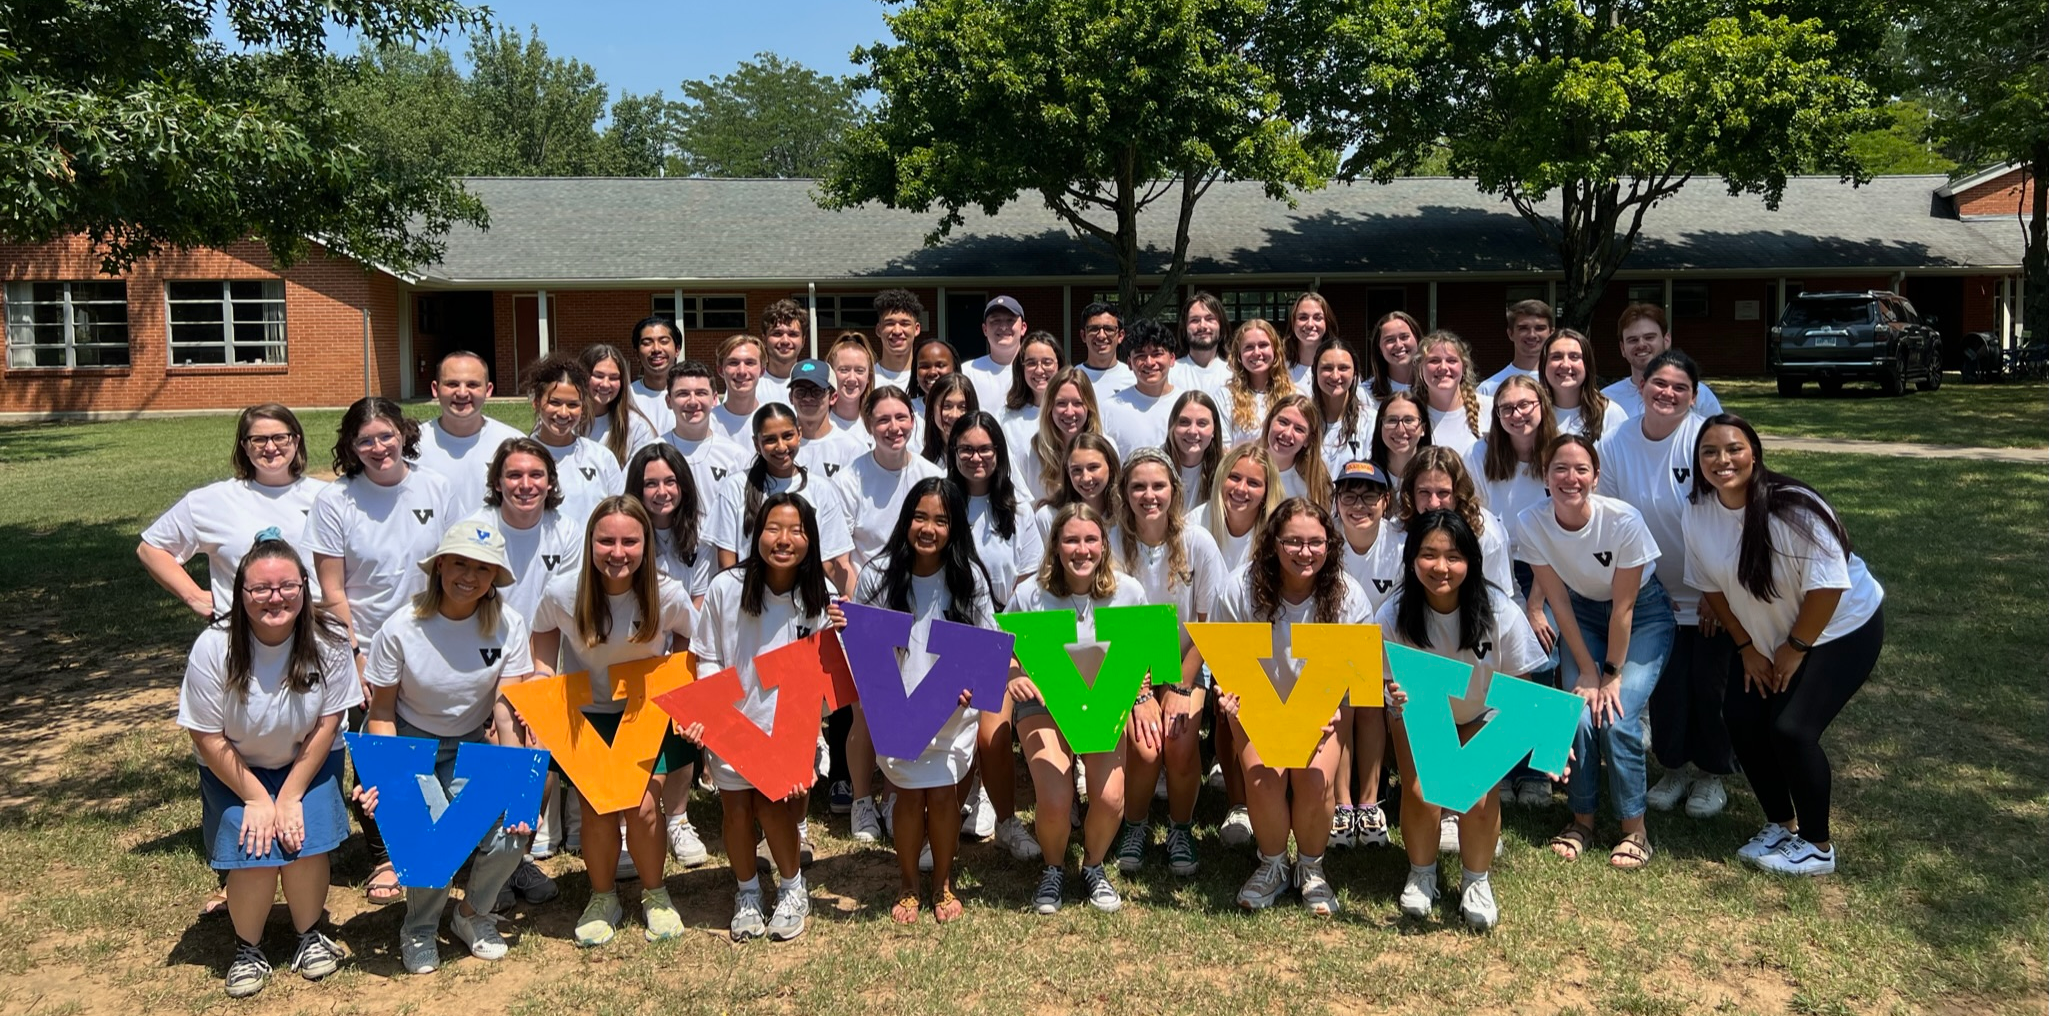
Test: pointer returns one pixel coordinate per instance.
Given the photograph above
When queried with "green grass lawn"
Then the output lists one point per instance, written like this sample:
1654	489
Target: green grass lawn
1942	903
1986	416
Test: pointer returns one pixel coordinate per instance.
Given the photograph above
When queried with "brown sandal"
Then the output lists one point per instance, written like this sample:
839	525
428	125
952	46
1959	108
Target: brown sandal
383	894
906	909
1572	841
1633	851
945	905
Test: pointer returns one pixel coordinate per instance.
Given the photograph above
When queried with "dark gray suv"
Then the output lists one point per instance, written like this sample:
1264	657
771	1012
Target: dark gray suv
1829	338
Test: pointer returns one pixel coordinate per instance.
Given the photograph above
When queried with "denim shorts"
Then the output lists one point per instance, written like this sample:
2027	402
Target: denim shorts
220	816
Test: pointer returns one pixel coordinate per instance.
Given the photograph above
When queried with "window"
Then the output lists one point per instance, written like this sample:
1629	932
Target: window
718	313
226	322
67	324
1168	315
1517	294
843	310
1242	305
1652	293
1689	301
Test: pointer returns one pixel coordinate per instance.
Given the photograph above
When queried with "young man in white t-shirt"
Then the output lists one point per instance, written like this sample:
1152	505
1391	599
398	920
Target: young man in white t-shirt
785	339
739	367
1137	417
458	444
826	449
1102	332
899	320
711	454
1645	335
1003	326
1530	324
1199	367
657	344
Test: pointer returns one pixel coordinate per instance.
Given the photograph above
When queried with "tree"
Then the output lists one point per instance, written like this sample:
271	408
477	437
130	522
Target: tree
639	135
1584	115
1103	108
532	114
1902	145
769	118
123	121
410	107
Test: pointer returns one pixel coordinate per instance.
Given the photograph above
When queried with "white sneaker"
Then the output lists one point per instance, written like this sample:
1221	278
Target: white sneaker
866	824
1767	840
1369	826
480	933
1315	889
1668	792
1476	903
1266	885
1237	828
1160	785
1419	892
1447	833
601	917
888	810
1215	779
684	843
1012	835
1707	798
981	817
1798	857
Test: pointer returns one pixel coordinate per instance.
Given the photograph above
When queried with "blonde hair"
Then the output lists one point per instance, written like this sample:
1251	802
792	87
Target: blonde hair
1219	523
1309	463
1278	380
1053	576
1466	392
593	614
1178	570
1048	443
427	602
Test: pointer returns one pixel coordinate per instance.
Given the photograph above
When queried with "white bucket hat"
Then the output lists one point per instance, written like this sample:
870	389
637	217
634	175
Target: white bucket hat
477	541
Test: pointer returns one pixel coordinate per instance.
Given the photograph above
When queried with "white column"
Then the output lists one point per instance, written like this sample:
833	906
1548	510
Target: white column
1668	301
406	371
541	320
1781	308
939	316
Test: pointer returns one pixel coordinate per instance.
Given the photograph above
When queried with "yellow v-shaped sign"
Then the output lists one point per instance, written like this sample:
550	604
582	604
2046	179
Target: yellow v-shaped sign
1287	692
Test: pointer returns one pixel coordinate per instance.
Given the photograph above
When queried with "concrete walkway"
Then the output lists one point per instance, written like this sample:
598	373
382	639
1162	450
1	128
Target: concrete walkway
1905	449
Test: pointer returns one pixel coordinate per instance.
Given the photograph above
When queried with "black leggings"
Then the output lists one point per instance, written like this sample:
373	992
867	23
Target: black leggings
1686	706
1778	737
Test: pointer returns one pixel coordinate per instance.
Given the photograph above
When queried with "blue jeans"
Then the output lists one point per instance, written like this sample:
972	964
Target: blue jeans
1546	675
498	855
1621	743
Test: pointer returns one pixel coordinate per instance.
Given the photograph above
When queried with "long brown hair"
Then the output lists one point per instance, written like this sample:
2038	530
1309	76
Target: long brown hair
1218	438
593	614
1050	446
619	416
312	630
1264	573
1593	406
1330	326
1348	412
245	467
1066	495
1500	463
1464	496
1278	381
1383	381
1178	570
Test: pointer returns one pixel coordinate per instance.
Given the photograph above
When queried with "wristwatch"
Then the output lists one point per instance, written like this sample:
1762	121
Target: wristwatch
1609	669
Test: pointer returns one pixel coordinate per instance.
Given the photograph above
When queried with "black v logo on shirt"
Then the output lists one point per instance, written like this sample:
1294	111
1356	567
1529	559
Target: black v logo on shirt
490	654
832	469
1604	556
589	472
551	560
717	473
425	515
1383	585
1681	474
1485	648
804	631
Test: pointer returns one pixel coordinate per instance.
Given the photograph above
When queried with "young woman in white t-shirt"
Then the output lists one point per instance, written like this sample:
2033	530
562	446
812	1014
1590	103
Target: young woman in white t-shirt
618	609
951	397
1394	350
220	520
1371	548
1594	563
1293	435
1508	467
1090	473
435	672
1195	444
1774	564
780	595
614	421
1297	576
264	692
1077	575
1175	563
1340	400
1039	357
1446	608
1312	328
1069	409
1437	481
1457	412
1400	429
588	471
852	359
930	570
776	469
1260	374
873	486
1568	371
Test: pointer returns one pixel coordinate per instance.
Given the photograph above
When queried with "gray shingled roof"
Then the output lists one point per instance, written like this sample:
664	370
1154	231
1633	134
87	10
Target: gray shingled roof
590	231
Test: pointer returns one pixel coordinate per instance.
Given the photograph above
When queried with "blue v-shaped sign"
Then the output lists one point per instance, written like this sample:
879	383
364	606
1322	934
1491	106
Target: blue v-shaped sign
428	835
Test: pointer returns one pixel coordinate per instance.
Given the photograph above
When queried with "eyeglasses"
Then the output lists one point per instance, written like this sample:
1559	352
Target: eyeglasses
1356	499
281	591
1523	408
1099	330
369	441
1298	545
271	440
976	451
1402	422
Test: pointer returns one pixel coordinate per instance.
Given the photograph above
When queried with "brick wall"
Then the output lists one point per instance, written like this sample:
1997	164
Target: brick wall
2000	196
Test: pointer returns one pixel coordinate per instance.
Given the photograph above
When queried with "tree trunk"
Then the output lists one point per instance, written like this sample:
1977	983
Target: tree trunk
2035	261
1589	251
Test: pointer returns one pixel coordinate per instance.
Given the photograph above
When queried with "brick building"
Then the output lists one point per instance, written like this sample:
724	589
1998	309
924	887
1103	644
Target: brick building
570	262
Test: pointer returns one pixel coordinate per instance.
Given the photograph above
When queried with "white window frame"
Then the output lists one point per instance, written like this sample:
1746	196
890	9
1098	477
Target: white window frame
833	306
21	323
692	317
226	342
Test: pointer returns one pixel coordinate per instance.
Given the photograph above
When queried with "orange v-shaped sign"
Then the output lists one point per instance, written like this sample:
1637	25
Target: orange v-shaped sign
810	677
612	777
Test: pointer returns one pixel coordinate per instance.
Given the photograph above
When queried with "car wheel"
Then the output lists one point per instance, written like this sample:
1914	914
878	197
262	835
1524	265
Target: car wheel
1789	388
1893	382
1933	379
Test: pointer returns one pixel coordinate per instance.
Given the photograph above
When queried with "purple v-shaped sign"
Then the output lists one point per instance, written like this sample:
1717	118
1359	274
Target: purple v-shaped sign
964	658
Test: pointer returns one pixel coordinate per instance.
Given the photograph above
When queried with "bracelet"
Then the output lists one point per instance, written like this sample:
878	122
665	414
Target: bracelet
1746	644
1805	647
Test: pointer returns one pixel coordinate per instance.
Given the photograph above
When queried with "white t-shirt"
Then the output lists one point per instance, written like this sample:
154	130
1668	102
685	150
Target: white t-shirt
1249	432
1570	421
588	473
1497	564
381	535
1505	498
1614	537
465	462
874	497
827	456
1134	420
734	638
1655	477
653	403
552	548
1194	593
1379	570
1187	375
1024	470
735	427
770	388
856	428
885	376
711	459
1805	557
1088	657
1486	388
221	520
946	759
1236	550
447	672
639	434
1629	397
1020	426
1448	429
1510	648
1338	449
991	381
1006	560
1192	493
695	574
266	726
558	613
728	526
1109	380
1292	483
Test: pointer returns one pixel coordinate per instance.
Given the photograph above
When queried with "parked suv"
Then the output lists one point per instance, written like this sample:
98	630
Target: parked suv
1829	338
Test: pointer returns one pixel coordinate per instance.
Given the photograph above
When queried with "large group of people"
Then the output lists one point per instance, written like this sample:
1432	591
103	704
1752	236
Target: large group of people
1625	543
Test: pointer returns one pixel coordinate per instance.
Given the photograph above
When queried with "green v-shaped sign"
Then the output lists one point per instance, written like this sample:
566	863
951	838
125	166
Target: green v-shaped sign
1134	640
1531	721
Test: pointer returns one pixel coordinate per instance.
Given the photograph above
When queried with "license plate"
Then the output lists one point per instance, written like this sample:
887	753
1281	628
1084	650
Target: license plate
1825	340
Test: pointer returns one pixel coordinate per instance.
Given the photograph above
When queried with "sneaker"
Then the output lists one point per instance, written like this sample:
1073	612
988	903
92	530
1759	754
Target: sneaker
840	798
925	856
747	921
1369	826
626	872
805	853
1707	798
1236	830
1101	894
317	955
1476	905
1181	859
480	933
663	922
248	972
1012	835
1419	893
532	884
601	917
1767	840
1796	856
421	955
684	843
1052	885
1131	841
981	814
1160	786
1447	833
888	811
791	908
1215	777
1533	793
867	825
1315	889
1667	793
1341	819
1268	881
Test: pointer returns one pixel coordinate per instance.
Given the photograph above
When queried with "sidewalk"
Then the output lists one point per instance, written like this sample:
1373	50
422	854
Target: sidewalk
1904	450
